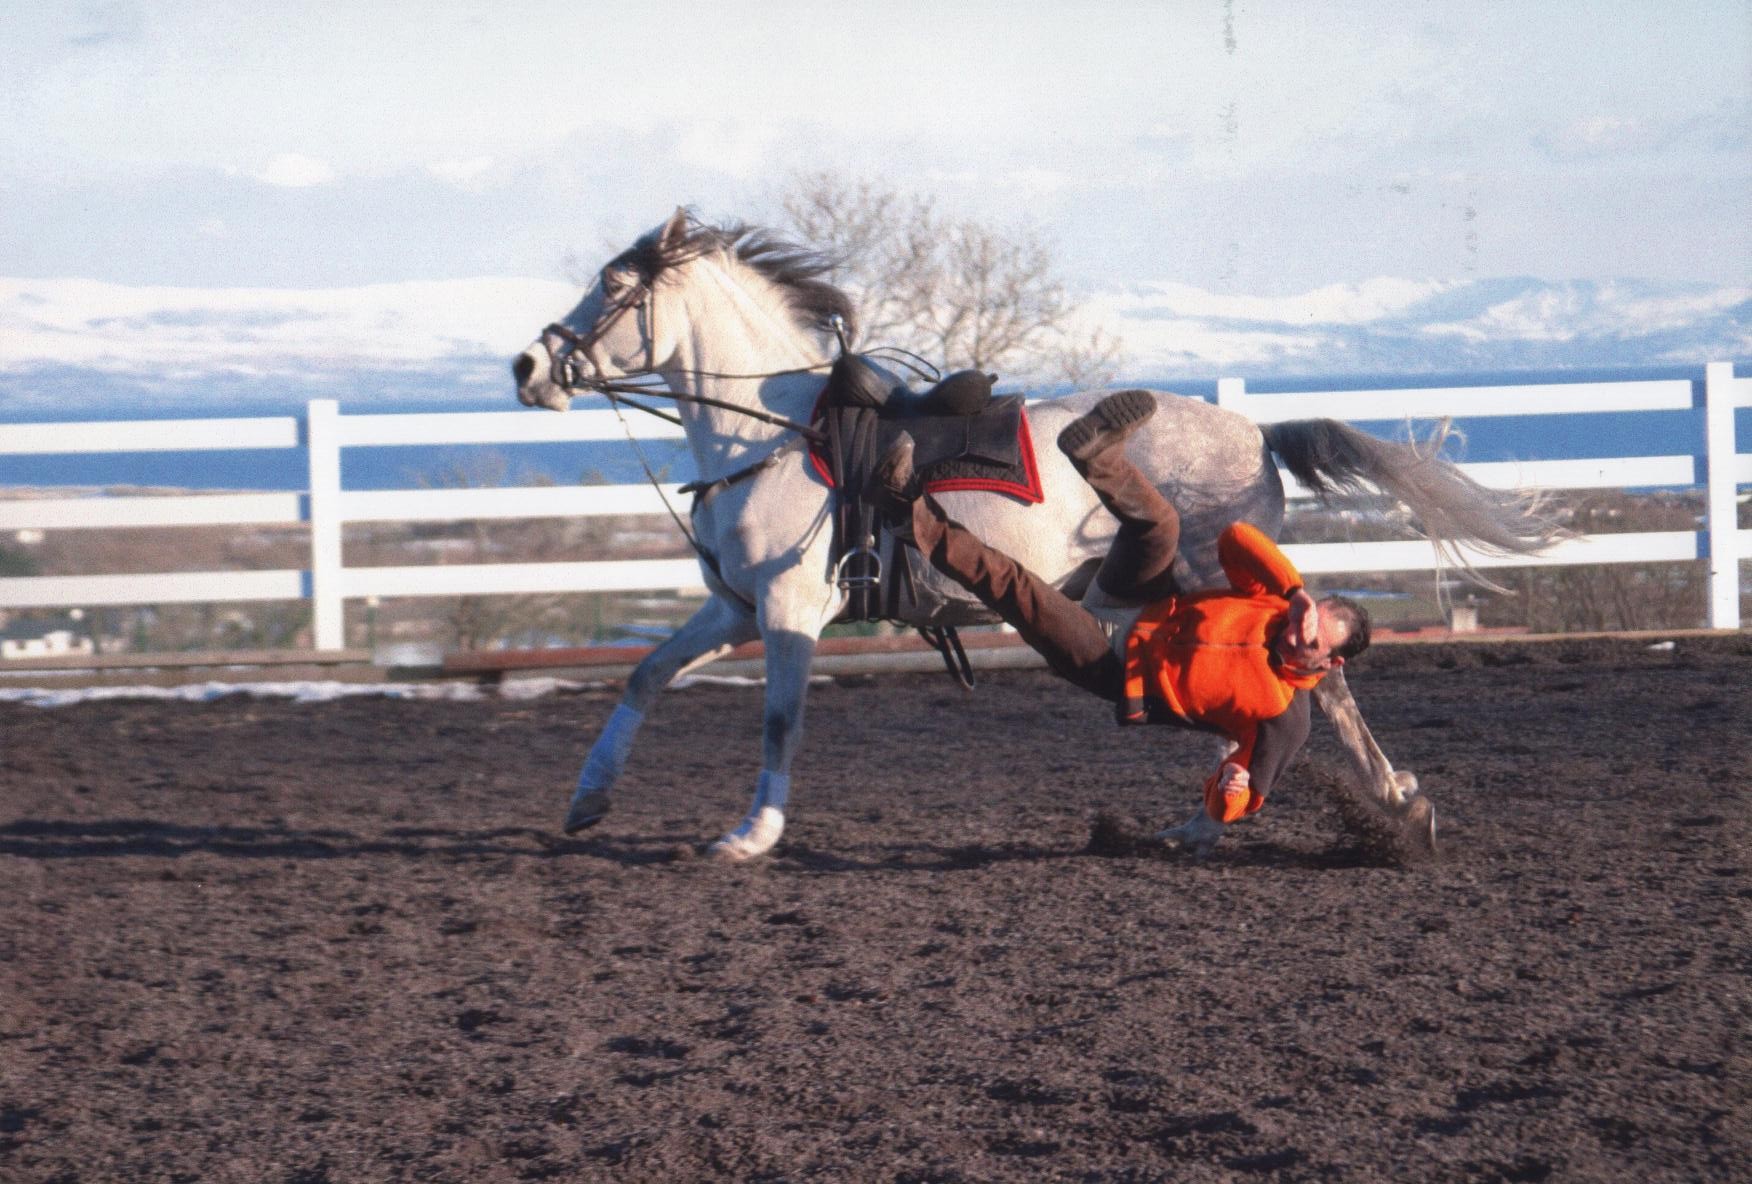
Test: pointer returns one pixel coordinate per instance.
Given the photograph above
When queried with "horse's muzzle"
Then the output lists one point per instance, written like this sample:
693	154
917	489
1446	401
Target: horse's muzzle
545	394
536	387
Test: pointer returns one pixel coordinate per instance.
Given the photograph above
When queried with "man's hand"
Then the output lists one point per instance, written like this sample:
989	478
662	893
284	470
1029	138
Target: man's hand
1304	626
1228	794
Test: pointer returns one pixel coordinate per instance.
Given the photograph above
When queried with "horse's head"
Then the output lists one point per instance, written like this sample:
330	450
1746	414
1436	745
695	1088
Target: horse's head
689	301
612	333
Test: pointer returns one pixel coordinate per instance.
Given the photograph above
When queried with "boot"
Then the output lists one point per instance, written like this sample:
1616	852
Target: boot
893	486
898	493
1139	561
1106	425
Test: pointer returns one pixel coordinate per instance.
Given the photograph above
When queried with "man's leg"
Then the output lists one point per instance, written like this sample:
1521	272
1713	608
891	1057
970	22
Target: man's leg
1070	638
1137	564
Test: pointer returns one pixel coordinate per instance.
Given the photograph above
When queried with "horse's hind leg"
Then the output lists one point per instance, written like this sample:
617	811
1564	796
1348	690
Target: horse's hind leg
716	627
1395	793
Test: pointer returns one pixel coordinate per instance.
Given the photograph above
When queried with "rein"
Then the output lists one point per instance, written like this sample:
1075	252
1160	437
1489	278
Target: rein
564	367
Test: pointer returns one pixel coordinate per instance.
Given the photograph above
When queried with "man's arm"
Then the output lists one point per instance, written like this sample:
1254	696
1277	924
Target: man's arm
1254	564
1239	785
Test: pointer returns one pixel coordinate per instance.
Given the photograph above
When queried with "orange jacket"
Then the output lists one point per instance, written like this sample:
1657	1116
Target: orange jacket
1207	656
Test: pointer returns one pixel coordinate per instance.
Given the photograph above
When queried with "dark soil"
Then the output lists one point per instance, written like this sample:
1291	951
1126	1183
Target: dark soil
260	941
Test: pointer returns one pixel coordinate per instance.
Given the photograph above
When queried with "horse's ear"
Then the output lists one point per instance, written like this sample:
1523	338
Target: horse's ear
675	229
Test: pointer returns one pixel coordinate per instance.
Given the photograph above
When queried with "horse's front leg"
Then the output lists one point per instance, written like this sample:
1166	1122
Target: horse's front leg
710	632
788	654
1394	793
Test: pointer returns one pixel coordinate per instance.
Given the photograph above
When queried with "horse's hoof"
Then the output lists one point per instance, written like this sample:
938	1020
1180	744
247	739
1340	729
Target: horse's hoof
1401	788
757	835
587	810
1419	821
1197	836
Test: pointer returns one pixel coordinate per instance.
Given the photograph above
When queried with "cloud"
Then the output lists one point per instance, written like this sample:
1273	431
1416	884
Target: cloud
735	148
121	329
295	171
106	24
1334	304
464	174
1602	134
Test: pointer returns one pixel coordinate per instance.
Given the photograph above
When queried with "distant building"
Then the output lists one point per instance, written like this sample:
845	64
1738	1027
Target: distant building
54	644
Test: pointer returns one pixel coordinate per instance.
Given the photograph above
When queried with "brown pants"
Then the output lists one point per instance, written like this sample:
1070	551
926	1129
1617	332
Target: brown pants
1068	636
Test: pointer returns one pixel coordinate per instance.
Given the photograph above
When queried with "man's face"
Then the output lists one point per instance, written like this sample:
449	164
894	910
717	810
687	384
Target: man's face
1316	652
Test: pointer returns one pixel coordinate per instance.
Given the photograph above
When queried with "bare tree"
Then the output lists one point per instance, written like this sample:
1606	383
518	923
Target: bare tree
880	240
1091	360
956	291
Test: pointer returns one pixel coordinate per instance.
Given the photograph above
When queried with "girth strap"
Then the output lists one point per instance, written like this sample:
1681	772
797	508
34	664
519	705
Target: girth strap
851	435
872	593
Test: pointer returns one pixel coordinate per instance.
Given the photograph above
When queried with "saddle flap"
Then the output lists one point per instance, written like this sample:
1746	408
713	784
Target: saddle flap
992	436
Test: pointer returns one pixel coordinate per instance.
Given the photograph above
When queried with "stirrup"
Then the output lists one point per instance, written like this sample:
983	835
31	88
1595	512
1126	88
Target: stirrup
947	642
869	579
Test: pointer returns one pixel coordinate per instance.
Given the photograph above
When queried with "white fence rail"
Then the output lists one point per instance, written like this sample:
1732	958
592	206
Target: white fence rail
323	433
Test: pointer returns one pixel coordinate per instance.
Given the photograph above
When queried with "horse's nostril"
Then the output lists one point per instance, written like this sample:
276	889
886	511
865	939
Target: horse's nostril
522	368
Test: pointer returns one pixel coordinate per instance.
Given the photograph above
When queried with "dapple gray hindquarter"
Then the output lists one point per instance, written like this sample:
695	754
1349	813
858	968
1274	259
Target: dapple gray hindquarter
1211	464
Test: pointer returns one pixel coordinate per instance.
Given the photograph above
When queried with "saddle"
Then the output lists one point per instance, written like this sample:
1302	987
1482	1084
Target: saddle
964	438
857	380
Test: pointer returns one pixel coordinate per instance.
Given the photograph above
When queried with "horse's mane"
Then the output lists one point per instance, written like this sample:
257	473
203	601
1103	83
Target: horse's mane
796	270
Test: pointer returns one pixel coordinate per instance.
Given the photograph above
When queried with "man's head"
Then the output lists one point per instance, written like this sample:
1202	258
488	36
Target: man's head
1355	619
1342	633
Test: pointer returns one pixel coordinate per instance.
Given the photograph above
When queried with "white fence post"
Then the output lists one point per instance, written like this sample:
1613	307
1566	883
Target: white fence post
322	441
1723	510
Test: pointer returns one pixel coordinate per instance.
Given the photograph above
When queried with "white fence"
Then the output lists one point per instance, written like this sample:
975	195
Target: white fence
323	432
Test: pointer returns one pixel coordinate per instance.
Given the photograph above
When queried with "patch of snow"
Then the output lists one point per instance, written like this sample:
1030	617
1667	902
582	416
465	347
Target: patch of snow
518	689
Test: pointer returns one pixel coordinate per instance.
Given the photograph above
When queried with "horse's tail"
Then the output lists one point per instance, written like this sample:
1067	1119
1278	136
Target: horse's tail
1337	462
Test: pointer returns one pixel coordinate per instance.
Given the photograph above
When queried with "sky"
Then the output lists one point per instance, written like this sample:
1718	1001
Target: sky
1285	159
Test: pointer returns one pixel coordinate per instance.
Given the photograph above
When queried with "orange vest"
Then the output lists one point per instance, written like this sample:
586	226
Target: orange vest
1207	656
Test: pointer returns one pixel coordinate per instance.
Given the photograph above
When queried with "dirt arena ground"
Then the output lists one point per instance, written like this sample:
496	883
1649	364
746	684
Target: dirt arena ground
254	940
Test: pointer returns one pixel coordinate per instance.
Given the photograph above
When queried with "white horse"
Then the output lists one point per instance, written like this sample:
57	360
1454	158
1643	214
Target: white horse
739	325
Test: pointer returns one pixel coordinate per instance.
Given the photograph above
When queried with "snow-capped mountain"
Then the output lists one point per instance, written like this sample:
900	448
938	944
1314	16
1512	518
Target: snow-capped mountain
77	346
1409	327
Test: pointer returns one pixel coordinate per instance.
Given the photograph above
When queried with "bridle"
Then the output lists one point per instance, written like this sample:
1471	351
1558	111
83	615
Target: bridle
566	348
569	353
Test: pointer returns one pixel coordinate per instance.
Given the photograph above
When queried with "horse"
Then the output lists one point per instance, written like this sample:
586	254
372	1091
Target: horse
741	325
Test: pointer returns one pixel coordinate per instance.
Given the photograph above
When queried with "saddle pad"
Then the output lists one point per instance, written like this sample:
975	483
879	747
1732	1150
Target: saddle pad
992	452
